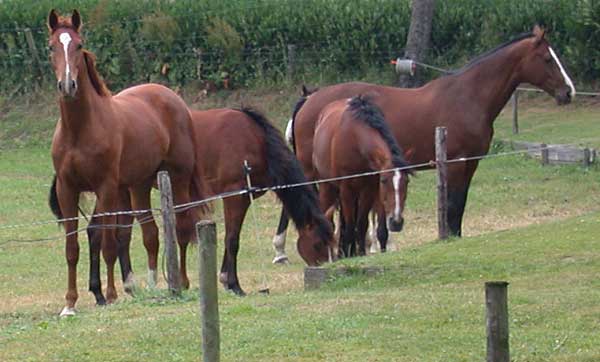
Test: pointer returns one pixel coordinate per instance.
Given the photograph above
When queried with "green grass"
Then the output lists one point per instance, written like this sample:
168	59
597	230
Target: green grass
534	226
541	120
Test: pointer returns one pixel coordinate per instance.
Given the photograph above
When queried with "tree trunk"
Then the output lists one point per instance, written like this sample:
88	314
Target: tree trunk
417	42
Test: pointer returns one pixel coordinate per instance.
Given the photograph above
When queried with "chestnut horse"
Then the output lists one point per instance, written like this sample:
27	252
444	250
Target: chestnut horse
225	139
352	137
466	102
113	146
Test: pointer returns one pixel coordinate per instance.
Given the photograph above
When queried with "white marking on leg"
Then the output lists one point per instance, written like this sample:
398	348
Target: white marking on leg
67	312
279	246
129	284
65	39
396	180
564	73
372	235
152	278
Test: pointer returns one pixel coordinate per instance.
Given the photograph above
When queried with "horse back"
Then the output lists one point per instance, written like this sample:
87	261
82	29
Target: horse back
225	138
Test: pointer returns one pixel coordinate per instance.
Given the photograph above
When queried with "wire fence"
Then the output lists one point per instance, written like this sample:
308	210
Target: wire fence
155	212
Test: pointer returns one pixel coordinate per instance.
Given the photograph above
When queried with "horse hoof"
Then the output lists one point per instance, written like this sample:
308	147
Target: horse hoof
236	290
129	284
101	302
223	279
67	312
281	259
152	278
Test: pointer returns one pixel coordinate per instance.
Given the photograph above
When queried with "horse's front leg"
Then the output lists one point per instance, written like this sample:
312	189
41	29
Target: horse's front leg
68	199
94	234
108	202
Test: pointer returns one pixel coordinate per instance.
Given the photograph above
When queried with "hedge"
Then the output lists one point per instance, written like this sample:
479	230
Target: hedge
178	41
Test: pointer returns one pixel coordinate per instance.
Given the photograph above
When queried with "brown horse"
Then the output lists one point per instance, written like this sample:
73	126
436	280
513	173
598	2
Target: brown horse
466	102
113	146
352	137
225	139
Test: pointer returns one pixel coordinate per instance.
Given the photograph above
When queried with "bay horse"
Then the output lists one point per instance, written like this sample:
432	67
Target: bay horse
352	137
466	102
225	139
113	146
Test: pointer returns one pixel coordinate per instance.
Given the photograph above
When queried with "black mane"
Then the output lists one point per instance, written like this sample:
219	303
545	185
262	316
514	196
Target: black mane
364	110
491	52
283	168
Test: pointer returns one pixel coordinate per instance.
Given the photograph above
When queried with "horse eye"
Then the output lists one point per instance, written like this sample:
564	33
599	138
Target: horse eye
79	46
51	48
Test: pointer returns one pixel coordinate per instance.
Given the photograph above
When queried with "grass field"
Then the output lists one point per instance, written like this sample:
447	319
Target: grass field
535	226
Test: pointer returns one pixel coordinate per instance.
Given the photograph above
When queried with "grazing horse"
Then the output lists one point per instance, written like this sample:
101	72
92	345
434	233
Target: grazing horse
466	102
352	137
113	146
225	139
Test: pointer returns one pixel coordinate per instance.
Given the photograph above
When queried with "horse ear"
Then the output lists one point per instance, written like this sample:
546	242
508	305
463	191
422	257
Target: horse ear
52	20
539	33
304	91
76	20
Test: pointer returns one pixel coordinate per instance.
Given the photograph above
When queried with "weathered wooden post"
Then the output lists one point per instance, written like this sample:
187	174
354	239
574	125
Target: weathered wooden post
545	154
169	224
442	181
515	111
209	302
587	157
291	60
35	55
497	322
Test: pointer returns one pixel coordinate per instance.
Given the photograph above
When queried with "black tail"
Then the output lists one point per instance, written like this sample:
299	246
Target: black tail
363	109
303	98
53	200
283	168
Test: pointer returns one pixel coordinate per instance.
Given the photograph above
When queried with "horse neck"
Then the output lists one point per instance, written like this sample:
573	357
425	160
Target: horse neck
77	114
491	82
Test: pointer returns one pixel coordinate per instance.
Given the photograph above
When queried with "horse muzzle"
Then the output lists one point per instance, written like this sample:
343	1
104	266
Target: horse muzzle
67	88
564	96
395	226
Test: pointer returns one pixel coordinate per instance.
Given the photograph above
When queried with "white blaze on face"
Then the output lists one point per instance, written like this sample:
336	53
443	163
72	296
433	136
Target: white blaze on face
65	39
563	72
288	131
396	180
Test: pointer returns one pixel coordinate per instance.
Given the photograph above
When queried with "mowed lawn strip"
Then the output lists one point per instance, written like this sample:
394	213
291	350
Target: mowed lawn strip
428	305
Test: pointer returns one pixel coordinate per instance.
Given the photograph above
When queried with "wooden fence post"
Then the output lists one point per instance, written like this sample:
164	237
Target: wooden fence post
169	224
497	322
442	182
291	60
209	301
515	111
37	68
587	157
545	154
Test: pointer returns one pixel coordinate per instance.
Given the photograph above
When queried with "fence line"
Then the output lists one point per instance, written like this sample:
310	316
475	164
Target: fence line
184	207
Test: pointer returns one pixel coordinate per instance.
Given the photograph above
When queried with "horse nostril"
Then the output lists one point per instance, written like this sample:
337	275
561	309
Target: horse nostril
59	86
73	85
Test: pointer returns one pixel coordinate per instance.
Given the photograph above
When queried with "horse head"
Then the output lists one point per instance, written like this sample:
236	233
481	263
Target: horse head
393	188
315	243
65	46
542	68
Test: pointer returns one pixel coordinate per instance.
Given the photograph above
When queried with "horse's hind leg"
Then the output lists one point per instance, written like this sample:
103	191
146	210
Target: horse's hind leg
459	179
140	199
235	209
124	240
94	234
185	225
279	238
